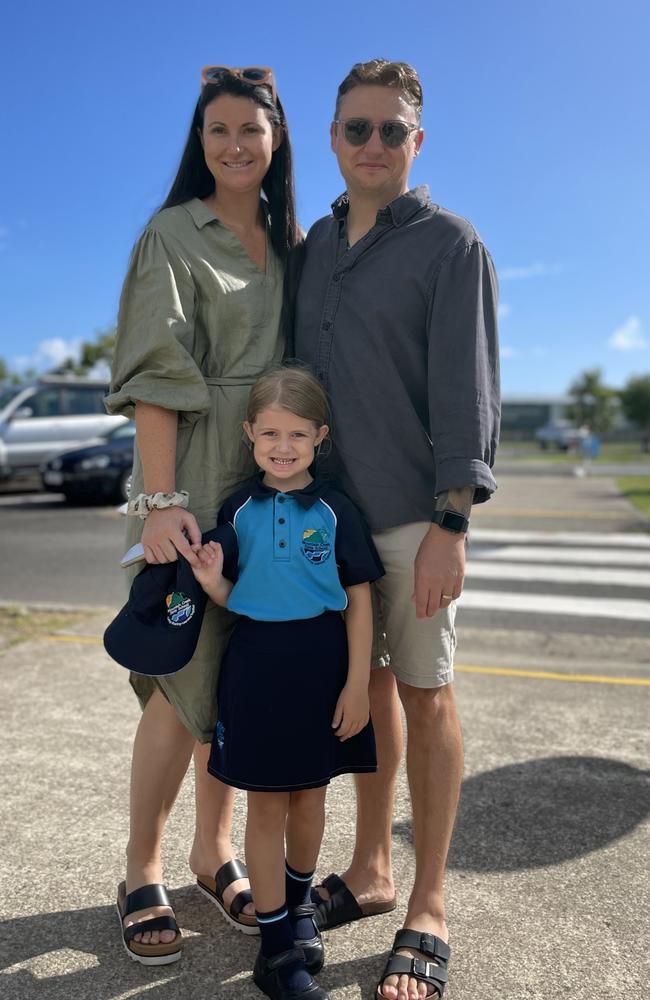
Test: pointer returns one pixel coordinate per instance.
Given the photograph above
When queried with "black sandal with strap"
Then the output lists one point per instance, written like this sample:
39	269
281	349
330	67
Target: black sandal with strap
144	898
433	973
266	975
214	889
342	907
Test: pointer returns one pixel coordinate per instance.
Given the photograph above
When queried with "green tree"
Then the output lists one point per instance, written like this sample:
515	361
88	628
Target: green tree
635	400
594	403
100	349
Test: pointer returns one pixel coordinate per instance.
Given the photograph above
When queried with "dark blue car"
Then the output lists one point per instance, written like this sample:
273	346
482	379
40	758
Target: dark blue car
96	471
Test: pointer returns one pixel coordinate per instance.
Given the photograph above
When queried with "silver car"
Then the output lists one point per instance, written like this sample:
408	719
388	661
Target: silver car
52	415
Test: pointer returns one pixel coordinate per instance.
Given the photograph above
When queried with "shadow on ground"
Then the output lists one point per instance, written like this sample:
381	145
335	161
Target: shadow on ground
543	812
74	955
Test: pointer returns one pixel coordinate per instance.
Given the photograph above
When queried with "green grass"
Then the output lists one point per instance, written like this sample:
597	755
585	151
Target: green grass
18	624
636	489
625	452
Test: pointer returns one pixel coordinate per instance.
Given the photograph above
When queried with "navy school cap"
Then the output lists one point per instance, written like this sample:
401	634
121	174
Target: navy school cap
157	630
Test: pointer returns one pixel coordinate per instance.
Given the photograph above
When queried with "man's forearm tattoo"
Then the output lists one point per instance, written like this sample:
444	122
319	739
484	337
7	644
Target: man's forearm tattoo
459	501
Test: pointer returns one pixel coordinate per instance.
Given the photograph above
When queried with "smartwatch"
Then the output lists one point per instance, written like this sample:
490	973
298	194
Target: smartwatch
451	521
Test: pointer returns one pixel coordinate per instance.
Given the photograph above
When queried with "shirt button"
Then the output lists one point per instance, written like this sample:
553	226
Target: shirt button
336	277
282	543
327	326
321	377
280	499
280	520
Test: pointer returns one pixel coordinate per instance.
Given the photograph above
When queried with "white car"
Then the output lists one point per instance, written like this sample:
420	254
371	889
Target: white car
52	415
560	434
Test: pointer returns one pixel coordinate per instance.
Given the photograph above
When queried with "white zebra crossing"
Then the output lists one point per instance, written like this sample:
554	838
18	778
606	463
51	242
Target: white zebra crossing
619	562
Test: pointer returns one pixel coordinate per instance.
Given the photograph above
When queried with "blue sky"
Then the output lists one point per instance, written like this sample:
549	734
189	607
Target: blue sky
536	122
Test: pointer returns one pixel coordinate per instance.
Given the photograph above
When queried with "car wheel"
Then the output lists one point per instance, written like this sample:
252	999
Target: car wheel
123	487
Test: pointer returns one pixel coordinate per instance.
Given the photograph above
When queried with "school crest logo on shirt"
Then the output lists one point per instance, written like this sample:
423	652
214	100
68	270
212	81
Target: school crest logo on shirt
179	608
316	544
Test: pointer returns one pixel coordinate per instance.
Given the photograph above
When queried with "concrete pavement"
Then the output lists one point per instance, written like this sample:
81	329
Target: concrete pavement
548	869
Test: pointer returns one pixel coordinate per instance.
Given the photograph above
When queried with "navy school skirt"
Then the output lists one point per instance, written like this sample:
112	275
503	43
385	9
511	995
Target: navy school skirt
278	687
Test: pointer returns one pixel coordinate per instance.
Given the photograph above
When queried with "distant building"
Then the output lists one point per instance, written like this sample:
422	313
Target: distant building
521	416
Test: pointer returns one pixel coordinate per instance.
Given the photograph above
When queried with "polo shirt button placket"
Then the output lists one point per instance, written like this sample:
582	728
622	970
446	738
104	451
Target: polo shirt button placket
281	544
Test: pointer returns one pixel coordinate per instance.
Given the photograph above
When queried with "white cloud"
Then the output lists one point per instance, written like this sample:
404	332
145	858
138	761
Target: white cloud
503	310
536	270
629	336
508	352
49	354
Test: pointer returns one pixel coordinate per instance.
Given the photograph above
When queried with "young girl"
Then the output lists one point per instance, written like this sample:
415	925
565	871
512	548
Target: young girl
293	686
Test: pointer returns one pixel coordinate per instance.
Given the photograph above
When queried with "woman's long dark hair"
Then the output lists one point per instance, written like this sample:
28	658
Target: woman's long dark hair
194	180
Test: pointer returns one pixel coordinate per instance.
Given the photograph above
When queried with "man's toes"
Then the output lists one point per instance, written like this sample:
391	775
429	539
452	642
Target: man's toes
414	989
403	988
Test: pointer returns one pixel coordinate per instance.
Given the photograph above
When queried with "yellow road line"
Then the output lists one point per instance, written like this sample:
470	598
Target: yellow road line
547	675
538	675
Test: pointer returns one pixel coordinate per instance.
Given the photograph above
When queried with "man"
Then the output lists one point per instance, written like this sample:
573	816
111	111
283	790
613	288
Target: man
396	311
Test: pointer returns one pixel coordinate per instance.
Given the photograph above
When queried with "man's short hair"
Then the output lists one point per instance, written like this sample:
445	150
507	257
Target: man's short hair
383	73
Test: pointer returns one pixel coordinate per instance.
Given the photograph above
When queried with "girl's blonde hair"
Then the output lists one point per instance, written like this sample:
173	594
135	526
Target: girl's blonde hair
295	389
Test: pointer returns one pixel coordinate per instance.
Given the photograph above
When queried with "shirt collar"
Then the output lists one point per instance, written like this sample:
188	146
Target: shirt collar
398	211
306	498
202	215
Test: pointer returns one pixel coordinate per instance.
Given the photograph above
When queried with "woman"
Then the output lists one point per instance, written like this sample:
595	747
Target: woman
199	319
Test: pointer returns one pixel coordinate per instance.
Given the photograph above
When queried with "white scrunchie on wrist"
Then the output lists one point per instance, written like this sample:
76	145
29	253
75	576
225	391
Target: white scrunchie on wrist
144	503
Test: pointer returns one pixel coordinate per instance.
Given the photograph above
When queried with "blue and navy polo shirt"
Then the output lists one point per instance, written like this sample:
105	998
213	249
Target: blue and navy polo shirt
290	555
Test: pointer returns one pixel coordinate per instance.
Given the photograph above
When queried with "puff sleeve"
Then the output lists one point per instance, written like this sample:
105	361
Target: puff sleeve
153	360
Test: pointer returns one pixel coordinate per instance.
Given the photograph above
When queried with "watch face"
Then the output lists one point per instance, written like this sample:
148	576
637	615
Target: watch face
452	521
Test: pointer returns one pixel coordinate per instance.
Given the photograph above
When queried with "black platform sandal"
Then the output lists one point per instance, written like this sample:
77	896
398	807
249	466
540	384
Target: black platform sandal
214	889
142	899
433	973
313	946
266	975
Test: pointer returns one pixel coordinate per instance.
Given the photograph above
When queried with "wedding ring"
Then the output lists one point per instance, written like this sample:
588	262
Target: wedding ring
448	597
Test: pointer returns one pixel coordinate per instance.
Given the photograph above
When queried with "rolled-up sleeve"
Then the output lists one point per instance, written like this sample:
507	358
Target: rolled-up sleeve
153	360
463	371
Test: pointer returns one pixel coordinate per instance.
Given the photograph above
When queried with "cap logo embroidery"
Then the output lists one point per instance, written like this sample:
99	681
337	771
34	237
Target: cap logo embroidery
316	545
180	608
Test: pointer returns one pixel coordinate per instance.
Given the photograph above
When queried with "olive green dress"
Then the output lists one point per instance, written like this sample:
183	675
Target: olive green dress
198	322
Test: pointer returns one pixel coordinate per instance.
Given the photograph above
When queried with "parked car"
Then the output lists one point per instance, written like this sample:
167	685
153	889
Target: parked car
560	434
54	413
99	471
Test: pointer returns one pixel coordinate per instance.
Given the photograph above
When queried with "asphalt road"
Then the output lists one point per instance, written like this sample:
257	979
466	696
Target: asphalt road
548	876
570	572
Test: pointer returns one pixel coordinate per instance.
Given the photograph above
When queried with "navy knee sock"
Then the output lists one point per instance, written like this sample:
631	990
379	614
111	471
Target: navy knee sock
299	891
277	936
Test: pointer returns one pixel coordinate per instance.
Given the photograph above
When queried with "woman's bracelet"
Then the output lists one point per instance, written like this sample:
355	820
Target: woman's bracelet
141	505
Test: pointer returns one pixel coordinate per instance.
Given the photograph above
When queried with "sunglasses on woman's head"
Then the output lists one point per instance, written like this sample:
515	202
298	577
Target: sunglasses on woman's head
393	134
259	76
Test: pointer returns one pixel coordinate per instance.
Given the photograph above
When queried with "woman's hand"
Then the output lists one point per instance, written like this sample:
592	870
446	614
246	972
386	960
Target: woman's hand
352	711
168	532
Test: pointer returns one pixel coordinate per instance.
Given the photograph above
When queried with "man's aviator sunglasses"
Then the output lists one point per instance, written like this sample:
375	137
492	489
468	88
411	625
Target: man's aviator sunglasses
357	131
259	76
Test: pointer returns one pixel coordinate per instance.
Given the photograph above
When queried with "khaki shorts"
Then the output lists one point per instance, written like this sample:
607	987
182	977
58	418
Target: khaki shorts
419	651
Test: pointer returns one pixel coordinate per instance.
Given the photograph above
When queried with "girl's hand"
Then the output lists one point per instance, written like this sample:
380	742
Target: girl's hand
209	568
352	711
166	533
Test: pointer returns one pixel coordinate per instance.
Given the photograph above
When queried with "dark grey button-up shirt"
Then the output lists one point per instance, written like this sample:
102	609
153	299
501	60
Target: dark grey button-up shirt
401	330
